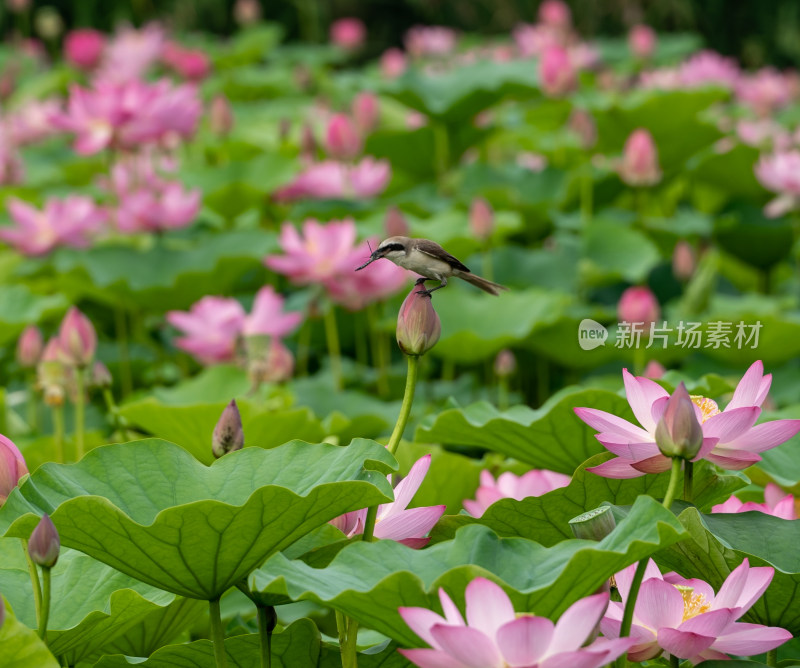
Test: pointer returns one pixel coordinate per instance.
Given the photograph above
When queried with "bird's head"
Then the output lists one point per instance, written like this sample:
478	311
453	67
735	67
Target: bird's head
391	248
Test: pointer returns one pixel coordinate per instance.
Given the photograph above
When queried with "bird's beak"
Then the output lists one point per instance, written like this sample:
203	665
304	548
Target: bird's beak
375	256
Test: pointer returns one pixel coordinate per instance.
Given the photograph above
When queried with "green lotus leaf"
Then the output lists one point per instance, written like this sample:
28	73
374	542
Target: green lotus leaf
297	646
93	603
21	647
719	543
152	511
369	581
545	518
551	437
19	306
613	252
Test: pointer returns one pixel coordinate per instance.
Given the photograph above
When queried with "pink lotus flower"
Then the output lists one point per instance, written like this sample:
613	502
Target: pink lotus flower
430	40
11	168
534	40
557	74
730	439
268	362
555	13
131	53
77	339
683	260
191	64
686	619
331	179
395	224
393	63
365	112
776	503
33	122
639	166
12	467
395	520
84	48
212	327
764	133
494	636
355	290
654	370
510	486
349	33
765	92
267	317
638	305
342	140
780	173
642	41
709	68
73	221
481	218
29	347
369	177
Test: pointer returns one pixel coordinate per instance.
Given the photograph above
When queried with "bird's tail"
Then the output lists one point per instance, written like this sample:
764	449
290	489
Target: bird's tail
482	283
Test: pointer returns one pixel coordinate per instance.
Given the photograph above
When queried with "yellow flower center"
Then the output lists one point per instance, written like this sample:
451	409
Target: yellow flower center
708	407
693	604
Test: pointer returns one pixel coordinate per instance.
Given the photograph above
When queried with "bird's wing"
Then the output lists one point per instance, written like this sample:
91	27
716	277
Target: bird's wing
435	250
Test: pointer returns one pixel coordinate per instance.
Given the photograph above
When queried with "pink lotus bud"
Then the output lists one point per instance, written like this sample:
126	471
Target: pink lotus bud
640	160
84	48
44	543
101	376
77	338
683	261
638	304
395	223
29	347
273	365
678	432
247	12
393	63
228	434
348	33
555	14
220	115
51	374
654	370
418	325
582	124
481	218
505	364
556	73
365	112
342	140
642	41
12	468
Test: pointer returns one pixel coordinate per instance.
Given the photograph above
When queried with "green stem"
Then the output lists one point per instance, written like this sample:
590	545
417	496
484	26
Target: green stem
58	431
688	480
334	349
369	523
37	588
303	348
674	661
217	634
639	356
502	393
32	408
408	399
266	624
672	487
630	604
44	611
772	657
80	412
126	376
448	370
348	634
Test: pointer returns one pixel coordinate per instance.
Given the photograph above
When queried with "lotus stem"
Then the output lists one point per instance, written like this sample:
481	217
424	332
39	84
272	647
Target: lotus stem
35	585
217	634
673	482
266	624
32	408
348	634
126	377
334	349
44	610
80	412
58	431
772	657
674	661
408	399
688	481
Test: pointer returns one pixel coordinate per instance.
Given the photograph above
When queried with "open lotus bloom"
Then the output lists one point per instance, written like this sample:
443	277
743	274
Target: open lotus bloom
396	521
494	636
685	618
731	439
510	486
776	503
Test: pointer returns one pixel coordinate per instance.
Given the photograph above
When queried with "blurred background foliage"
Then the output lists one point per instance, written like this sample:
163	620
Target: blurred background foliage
757	33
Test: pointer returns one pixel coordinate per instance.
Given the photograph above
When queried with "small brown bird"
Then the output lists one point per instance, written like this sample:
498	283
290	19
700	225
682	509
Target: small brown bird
430	261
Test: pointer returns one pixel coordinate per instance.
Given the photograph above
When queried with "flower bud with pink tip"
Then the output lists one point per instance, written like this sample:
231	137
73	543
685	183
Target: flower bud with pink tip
639	166
29	347
393	63
228	434
44	543
349	33
342	140
678	432
365	111
418	324
557	74
555	13
84	48
481	218
12	467
638	304
505	364
77	338
683	261
642	41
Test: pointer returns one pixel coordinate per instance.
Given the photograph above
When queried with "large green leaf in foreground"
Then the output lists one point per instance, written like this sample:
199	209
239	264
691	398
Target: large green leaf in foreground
552	437
369	581
152	511
21	647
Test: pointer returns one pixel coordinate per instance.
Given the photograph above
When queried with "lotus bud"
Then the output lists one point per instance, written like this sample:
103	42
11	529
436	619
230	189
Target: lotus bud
481	218
268	360
12	467
220	115
101	376
393	63
342	140
418	325
247	12
51	373
83	48
678	432
638	304
593	525
348	33
365	112
48	22
557	74
395	223
683	261
44	544
642	41
639	165
555	13
505	364
29	347
654	370
228	434
77	338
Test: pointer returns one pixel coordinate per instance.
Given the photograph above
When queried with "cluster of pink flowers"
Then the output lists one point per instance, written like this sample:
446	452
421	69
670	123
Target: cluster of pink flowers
780	173
510	486
776	503
130	54
191	64
214	326
327	255
336	180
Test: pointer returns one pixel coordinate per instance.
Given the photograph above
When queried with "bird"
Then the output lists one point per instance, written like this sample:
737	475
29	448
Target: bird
430	261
